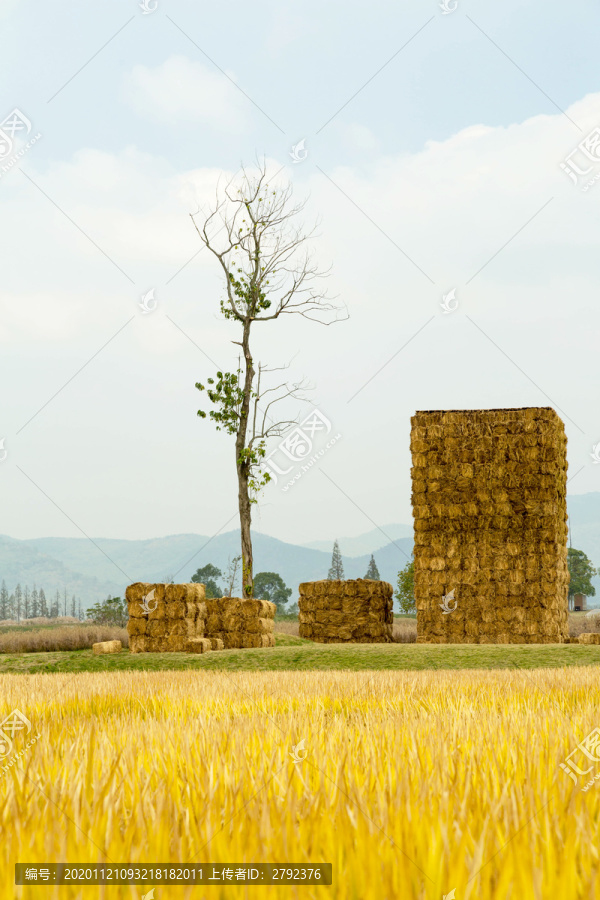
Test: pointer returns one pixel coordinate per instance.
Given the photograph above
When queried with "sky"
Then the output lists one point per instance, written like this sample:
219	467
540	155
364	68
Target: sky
433	146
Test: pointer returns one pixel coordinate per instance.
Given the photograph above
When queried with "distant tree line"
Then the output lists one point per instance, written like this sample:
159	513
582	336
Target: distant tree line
266	585
24	603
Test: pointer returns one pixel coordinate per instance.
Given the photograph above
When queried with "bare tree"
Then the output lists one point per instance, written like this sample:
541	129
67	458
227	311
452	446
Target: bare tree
231	575
268	273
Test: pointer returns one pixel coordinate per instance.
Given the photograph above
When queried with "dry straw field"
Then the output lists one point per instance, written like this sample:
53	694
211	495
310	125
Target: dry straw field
414	783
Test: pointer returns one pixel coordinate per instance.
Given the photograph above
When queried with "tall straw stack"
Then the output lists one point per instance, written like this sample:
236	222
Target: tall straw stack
354	611
180	619
489	504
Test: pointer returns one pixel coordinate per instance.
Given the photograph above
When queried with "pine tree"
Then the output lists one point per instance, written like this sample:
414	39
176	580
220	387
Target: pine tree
55	605
43	604
26	603
336	572
73	607
18	602
35	602
11	607
4	601
373	571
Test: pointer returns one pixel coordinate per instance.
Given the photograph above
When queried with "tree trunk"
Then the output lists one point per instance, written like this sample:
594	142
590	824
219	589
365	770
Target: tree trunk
245	523
243	467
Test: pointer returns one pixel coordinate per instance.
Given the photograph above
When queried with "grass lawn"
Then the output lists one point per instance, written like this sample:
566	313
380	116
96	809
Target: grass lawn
294	653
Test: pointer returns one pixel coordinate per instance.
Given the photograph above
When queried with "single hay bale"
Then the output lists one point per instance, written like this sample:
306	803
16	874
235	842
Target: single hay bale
137	626
156	628
216	644
173	643
175	608
262	609
138	643
154	644
196	592
199	645
214	623
195	609
232	640
589	637
159	610
107	647
195	627
233	621
258	640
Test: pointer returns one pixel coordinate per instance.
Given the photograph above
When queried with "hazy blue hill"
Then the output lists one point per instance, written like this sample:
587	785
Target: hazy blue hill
24	564
93	569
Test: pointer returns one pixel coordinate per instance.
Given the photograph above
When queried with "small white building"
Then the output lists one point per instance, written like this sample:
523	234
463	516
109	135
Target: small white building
579	602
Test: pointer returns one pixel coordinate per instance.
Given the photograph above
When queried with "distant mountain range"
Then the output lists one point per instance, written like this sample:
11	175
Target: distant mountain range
93	569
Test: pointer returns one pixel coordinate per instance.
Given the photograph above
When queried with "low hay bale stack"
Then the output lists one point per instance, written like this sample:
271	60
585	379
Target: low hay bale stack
240	623
355	611
166	618
490	518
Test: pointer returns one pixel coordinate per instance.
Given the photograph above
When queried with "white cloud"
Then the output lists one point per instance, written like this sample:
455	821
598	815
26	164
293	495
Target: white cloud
180	92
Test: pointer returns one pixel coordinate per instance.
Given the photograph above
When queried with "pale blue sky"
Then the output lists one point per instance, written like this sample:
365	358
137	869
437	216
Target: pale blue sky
445	164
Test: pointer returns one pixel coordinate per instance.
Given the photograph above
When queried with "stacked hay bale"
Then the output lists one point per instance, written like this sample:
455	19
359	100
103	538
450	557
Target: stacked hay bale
177	617
355	611
489	504
241	623
175	614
